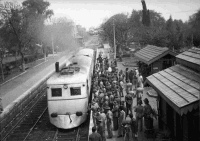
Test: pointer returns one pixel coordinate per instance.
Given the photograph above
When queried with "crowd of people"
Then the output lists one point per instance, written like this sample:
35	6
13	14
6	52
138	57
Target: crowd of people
108	108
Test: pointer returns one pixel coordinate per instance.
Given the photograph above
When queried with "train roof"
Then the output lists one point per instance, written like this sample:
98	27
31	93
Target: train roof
76	72
58	79
70	74
85	51
81	60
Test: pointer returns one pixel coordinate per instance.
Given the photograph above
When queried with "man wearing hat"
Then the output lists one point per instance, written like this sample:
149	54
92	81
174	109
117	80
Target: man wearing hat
101	126
109	117
139	115
129	102
148	120
94	136
122	116
94	108
115	111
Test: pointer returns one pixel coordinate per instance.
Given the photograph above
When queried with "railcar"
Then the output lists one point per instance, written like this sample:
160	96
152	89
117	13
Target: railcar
68	91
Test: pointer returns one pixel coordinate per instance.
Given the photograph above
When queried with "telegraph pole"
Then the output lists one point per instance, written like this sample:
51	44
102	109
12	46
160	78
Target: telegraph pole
114	39
52	44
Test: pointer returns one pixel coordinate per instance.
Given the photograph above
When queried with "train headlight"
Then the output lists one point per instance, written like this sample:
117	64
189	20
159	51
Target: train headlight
53	115
79	113
65	86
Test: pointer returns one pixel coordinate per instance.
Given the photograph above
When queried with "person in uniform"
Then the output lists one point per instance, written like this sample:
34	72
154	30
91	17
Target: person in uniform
115	111
94	136
122	116
101	126
128	86
94	108
111	100
127	75
109	117
139	115
148	120
121	87
129	102
133	125
131	75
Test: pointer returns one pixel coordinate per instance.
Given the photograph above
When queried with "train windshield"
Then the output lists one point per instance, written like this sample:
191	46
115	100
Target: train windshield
56	92
75	91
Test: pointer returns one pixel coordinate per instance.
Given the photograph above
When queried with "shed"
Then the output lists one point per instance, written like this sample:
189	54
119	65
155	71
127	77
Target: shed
153	59
178	89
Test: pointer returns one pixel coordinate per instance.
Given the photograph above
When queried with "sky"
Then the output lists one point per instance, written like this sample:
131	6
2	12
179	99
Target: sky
91	13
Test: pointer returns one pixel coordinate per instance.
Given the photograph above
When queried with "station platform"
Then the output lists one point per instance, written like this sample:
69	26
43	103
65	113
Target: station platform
152	101
23	82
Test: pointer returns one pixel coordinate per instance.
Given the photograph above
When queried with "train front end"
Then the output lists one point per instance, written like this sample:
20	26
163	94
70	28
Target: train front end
67	105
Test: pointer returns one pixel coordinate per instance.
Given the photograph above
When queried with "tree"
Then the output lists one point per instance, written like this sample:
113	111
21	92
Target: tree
24	23
120	23
145	14
194	22
154	34
61	32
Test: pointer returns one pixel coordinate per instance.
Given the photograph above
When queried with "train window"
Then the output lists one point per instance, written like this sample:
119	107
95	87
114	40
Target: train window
56	92
75	91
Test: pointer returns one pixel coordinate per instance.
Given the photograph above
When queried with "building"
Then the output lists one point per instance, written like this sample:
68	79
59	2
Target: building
178	89
153	59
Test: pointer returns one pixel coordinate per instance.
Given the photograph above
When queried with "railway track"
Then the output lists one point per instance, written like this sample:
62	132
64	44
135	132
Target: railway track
35	126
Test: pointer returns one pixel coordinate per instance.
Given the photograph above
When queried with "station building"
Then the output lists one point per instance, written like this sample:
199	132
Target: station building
178	89
153	59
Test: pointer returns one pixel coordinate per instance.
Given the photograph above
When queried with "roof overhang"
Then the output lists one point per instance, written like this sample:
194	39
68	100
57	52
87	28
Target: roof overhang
178	86
148	62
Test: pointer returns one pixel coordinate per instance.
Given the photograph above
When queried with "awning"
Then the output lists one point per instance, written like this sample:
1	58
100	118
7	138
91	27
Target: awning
150	54
190	58
178	86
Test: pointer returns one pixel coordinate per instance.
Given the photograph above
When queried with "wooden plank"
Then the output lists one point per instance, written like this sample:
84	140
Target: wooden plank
138	55
194	50
187	58
186	73
176	99
181	84
176	86
150	53
192	54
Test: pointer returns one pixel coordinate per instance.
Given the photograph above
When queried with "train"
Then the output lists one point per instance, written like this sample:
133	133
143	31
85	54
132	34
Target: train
68	90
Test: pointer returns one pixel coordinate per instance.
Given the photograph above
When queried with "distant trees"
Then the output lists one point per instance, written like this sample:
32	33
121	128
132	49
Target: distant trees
121	25
149	27
194	22
60	32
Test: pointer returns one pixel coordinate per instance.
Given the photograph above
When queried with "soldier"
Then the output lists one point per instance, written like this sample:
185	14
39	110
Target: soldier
139	115
115	111
148	120
111	100
127	75
121	87
94	108
109	117
101	127
129	102
128	86
121	119
133	124
94	136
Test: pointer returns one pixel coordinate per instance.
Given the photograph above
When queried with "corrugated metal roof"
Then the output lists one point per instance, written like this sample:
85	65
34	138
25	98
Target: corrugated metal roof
192	55
151	53
179	86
